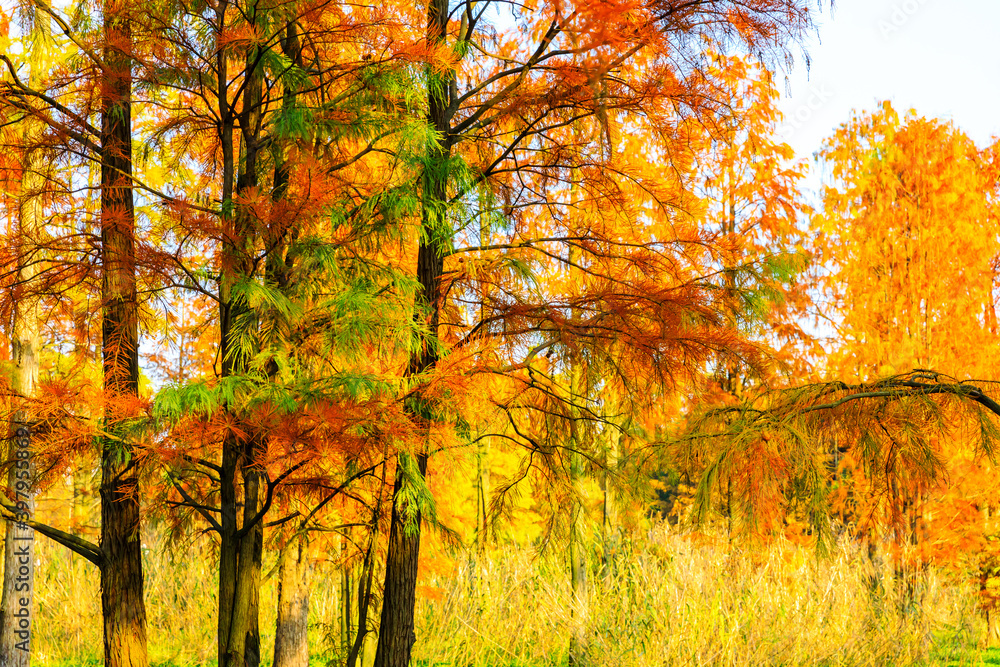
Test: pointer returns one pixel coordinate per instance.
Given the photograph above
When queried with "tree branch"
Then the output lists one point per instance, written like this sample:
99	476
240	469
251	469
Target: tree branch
77	545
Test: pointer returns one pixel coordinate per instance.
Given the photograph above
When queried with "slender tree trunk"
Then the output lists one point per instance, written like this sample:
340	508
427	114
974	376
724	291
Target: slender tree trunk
396	630
609	520
16	606
482	493
19	566
577	547
483	444
482	510
576	392
346	596
121	573
577	564
229	545
355	657
255	563
291	645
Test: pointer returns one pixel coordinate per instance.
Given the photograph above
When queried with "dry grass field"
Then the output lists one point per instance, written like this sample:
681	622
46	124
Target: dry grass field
669	599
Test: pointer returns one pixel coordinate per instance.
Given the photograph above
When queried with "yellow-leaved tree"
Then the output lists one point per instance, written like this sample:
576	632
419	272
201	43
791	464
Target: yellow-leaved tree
907	243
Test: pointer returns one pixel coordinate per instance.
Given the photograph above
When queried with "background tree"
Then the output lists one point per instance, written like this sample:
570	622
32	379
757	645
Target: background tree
15	637
911	285
505	134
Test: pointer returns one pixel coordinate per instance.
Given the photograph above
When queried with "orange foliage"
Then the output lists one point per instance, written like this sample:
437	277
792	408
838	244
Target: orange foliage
911	284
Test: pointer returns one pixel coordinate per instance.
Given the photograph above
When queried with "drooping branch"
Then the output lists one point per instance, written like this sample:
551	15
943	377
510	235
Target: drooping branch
918	382
77	545
776	445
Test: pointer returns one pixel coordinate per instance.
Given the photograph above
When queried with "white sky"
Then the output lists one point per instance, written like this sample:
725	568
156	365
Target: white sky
940	57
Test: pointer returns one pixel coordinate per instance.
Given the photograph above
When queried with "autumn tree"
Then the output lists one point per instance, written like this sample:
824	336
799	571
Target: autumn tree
910	283
911	273
505	111
121	571
109	55
285	104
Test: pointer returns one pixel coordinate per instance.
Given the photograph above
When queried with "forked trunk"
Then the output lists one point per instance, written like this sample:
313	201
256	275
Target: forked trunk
240	558
241	548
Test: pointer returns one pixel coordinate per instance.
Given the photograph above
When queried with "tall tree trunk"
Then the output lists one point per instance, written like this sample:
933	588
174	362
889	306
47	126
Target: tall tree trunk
243	645
396	630
483	445
346	596
241	545
18	573
577	564
121	572
291	640
16	606
576	392
291	648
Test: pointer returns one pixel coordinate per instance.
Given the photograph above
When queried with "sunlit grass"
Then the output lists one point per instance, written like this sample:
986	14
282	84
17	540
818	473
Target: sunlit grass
670	599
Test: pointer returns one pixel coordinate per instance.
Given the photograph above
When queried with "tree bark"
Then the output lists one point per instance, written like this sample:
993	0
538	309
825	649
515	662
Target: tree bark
19	567
121	572
482	493
396	631
291	645
346	596
363	586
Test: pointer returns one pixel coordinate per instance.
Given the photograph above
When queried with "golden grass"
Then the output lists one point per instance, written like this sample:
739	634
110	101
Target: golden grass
677	601
180	607
671	600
